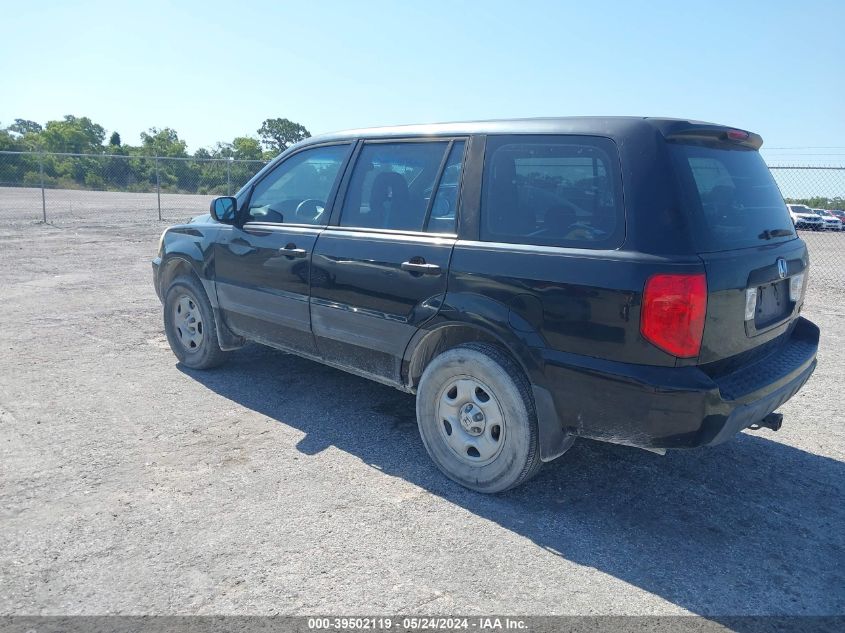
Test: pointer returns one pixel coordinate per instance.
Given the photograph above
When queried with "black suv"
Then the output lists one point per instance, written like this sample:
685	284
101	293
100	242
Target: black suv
631	280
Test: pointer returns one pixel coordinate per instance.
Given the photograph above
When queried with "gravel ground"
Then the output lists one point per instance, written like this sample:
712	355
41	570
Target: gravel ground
131	485
66	207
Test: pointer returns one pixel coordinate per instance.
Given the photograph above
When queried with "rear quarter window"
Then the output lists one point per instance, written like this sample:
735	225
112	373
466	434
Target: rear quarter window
731	196
552	190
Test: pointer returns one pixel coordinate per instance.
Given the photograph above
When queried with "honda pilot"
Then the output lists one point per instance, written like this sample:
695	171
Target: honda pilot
630	280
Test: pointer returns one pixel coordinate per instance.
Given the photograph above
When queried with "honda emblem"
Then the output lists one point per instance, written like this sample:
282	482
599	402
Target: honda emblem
782	267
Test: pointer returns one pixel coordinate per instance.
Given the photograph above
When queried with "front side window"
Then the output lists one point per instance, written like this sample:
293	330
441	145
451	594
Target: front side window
552	191
297	191
391	185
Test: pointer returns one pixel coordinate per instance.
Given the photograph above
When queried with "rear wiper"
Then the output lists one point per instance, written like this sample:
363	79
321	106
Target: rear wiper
769	234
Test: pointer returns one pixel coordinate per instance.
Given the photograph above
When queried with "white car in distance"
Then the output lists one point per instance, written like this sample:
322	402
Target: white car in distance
831	222
805	218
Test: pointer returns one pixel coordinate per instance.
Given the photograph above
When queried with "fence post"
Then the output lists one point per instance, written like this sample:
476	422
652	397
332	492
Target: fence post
229	176
43	196
158	189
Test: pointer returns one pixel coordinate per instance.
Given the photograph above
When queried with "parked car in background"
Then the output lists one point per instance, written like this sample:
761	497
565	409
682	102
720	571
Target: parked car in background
831	222
803	217
507	274
839	213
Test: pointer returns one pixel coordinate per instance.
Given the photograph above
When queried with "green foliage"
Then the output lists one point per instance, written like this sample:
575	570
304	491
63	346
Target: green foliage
24	127
247	148
73	134
21	136
164	142
819	202
9	143
279	134
118	166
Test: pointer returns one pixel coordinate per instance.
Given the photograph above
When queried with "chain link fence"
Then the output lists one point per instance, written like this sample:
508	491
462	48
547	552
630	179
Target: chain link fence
818	187
108	188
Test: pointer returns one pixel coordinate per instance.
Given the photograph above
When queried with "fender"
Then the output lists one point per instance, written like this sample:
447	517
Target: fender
466	317
189	246
186	251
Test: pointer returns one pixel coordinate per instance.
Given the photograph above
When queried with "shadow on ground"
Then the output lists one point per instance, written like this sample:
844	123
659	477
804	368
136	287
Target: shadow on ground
751	527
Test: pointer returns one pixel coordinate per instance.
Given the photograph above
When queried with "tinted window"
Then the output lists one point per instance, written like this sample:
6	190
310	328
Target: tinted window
732	197
296	192
444	207
552	190
391	184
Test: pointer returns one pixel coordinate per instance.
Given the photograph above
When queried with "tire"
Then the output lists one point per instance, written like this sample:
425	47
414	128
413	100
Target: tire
468	449
190	326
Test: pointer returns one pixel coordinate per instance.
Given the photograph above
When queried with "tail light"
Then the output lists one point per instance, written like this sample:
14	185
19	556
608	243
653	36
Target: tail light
672	317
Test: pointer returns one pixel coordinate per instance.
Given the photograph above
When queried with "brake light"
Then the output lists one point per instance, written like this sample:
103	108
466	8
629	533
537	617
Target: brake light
672	317
737	135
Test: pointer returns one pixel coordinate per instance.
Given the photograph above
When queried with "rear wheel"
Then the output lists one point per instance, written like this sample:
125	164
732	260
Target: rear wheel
477	420
190	326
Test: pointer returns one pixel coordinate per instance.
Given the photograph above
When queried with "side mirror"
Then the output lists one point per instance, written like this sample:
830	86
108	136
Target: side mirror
224	209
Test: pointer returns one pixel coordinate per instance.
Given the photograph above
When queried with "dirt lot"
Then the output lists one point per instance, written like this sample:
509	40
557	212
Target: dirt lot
275	485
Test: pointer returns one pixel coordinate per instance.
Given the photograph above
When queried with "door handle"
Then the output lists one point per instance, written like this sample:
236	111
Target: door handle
418	265
292	251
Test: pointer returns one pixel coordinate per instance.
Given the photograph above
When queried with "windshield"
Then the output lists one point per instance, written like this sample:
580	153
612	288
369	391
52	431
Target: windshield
732	196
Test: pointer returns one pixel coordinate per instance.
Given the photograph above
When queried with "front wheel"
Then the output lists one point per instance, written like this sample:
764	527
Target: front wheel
477	420
190	326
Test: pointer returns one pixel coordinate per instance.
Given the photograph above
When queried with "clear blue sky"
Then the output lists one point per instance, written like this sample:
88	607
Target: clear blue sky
215	70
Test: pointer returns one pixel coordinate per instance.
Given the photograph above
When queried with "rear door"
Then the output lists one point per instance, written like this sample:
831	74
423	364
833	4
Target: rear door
756	265
262	268
379	272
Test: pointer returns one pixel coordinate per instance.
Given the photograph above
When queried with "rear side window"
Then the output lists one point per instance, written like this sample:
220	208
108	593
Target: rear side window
732	197
553	191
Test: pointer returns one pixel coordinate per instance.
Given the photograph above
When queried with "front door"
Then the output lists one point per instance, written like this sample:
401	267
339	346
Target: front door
379	272
262	269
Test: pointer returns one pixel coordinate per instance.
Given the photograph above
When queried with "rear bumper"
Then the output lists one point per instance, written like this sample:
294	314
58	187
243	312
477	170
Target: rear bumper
676	407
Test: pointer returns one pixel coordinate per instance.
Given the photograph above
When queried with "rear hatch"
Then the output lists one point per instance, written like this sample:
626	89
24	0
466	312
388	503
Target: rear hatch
756	266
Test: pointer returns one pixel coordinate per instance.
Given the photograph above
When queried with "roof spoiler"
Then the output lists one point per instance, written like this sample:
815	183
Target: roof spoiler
718	134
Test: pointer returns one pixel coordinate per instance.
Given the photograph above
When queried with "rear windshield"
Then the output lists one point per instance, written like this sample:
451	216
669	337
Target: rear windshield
732	197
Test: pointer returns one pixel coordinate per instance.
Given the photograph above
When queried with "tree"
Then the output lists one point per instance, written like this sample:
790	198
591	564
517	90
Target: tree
163	142
73	134
247	148
221	150
114	140
8	142
279	134
23	127
241	148
818	202
22	135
